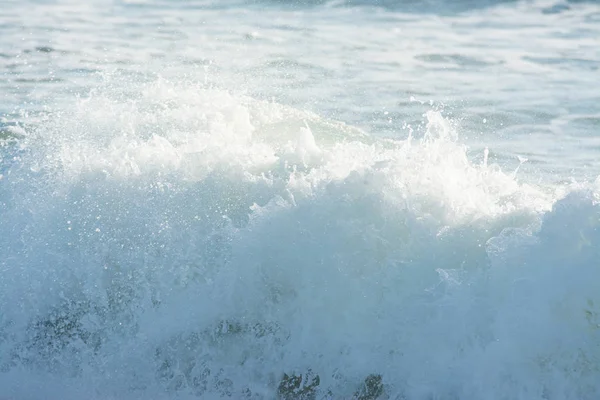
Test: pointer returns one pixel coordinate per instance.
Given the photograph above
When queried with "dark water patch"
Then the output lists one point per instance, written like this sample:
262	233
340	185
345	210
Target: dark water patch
292	64
80	71
581	127
583	106
591	65
454	59
593	17
591	121
10	131
171	34
288	28
203	62
179	5
38	80
44	49
299	386
62	328
556	8
5	134
307	387
39	49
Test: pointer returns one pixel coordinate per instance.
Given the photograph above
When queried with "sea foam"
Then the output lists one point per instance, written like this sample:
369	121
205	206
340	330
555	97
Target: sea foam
173	239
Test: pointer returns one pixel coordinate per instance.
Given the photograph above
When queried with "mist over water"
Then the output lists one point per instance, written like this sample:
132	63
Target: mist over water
249	201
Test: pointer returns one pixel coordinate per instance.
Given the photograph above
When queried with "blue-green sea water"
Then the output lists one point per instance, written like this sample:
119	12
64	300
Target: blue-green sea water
260	199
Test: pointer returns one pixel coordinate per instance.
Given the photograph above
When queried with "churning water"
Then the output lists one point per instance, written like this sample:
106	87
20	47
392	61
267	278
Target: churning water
317	200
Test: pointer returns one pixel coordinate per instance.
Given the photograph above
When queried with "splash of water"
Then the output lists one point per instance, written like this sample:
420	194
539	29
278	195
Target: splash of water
183	240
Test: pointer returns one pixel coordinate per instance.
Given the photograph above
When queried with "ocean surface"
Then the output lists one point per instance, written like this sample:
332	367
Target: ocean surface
262	199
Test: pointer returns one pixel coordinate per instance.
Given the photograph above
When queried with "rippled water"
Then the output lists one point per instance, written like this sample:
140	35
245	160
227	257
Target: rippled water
519	77
396	197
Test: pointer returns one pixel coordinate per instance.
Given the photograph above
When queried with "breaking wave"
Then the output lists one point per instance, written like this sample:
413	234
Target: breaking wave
168	239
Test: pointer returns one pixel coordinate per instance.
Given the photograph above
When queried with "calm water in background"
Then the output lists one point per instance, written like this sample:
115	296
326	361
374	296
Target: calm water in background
200	196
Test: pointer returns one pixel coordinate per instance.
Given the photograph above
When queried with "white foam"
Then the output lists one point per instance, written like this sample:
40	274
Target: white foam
201	243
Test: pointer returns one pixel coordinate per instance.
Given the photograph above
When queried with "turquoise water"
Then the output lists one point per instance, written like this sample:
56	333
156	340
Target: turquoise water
198	199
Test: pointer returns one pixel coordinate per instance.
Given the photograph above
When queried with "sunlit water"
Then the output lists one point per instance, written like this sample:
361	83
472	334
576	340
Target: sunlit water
203	199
